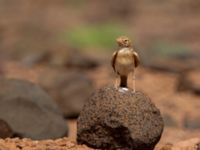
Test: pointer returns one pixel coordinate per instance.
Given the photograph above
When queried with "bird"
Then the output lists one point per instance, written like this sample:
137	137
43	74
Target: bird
125	60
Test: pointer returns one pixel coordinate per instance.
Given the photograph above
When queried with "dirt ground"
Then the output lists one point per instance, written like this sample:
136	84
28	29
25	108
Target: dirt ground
29	29
161	87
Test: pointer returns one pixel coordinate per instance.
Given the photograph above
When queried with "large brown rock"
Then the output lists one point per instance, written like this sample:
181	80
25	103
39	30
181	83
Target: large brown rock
119	119
70	89
29	111
5	130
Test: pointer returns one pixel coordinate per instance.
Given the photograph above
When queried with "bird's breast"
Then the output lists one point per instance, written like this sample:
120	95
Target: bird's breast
125	57
124	62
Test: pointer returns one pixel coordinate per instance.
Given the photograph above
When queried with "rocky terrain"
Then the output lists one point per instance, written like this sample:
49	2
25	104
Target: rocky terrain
179	112
28	144
46	77
67	144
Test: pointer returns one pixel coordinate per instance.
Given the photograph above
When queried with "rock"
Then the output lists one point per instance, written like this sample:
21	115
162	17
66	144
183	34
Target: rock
70	89
5	130
29	111
81	61
36	57
189	81
191	122
169	120
113	119
163	65
72	58
172	64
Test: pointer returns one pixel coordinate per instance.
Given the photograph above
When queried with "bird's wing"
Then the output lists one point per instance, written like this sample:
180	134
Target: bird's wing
114	56
136	58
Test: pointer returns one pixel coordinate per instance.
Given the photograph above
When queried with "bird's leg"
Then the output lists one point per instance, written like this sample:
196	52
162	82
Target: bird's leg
116	81
133	81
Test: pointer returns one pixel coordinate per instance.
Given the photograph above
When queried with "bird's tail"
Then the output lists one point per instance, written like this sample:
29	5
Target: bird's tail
123	81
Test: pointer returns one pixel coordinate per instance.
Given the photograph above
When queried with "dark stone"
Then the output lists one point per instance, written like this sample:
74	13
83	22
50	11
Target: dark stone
113	119
169	120
69	89
29	111
170	62
198	146
72	58
196	91
183	84
36	57
81	61
189	81
5	130
191	122
163	66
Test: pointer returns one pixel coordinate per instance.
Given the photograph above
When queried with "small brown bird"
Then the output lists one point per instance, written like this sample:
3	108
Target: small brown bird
125	60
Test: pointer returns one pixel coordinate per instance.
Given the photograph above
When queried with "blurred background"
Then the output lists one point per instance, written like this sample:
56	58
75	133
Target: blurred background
65	46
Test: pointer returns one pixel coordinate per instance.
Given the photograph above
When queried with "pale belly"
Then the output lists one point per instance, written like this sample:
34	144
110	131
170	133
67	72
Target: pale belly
124	62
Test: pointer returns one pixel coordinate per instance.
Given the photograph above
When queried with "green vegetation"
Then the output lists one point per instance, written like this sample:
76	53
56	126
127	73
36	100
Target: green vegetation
98	36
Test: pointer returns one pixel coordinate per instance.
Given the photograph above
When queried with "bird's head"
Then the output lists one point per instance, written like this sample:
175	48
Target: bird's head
123	41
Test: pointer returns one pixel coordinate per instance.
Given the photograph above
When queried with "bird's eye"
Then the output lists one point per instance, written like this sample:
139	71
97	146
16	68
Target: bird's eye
125	40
